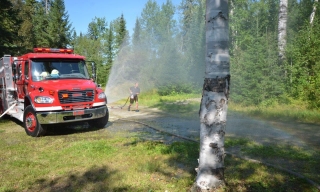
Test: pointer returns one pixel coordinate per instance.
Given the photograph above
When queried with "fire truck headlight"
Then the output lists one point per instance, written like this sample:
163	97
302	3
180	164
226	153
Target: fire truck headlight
102	95
43	99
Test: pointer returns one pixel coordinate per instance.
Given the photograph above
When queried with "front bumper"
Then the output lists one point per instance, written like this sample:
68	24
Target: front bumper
71	116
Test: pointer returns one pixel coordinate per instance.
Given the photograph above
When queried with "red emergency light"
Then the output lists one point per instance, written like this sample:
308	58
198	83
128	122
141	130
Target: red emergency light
52	50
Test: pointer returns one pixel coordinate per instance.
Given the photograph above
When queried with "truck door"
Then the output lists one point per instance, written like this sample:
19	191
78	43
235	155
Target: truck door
22	78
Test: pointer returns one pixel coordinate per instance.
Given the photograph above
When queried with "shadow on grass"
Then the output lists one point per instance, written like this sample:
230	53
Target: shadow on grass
295	160
72	128
61	128
240	175
95	179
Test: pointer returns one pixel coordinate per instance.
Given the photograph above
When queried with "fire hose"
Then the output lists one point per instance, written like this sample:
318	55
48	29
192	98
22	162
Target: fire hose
123	104
8	110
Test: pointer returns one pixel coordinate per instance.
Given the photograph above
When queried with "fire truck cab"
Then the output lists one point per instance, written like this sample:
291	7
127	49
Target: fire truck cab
51	86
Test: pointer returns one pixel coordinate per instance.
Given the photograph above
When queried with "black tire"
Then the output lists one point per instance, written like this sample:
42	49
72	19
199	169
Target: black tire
31	124
101	122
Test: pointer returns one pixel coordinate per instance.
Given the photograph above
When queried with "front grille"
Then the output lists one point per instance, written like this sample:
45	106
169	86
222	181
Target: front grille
75	96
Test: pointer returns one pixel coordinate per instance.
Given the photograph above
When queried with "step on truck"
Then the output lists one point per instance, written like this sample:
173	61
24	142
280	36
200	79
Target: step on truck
51	86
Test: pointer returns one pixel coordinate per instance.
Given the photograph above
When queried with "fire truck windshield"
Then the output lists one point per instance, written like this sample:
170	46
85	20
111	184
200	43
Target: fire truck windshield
45	69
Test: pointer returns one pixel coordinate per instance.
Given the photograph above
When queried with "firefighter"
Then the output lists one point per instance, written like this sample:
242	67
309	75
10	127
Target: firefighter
134	92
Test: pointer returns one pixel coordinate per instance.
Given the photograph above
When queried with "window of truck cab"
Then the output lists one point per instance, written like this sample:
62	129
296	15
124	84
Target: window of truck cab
46	69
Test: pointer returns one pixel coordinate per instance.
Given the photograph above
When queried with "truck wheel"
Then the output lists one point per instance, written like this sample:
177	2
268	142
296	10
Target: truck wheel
101	122
31	124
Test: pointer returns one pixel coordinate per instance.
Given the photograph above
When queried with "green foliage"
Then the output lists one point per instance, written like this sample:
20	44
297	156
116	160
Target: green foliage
291	110
27	29
28	24
121	33
304	65
168	54
193	49
59	27
41	22
97	28
136	34
172	89
9	25
255	73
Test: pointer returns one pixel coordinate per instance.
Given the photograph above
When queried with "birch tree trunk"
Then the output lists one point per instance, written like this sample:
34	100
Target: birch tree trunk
282	28
313	13
214	102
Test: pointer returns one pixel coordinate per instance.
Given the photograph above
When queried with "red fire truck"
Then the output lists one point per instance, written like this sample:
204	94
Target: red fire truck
51	86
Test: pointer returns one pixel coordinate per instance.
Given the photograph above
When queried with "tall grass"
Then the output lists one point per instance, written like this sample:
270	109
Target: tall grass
189	104
284	112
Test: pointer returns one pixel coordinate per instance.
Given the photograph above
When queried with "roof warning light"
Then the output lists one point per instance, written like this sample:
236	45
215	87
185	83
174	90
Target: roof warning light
52	50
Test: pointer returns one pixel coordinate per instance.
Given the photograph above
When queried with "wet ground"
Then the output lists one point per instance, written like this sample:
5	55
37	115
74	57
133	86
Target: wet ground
238	126
276	133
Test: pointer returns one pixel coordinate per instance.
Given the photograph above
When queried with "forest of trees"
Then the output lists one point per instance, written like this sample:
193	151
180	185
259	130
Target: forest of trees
168	43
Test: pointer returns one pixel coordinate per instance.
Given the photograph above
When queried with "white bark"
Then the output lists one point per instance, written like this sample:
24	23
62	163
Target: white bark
213	109
282	28
313	13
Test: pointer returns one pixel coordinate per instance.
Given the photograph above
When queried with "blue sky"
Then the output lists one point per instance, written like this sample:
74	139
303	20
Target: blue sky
82	12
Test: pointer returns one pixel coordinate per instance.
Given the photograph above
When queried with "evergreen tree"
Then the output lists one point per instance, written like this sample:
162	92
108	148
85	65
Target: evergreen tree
136	38
304	66
41	25
171	76
193	34
138	57
149	21
97	28
27	32
188	9
9	26
59	28
73	39
257	79
121	33
110	45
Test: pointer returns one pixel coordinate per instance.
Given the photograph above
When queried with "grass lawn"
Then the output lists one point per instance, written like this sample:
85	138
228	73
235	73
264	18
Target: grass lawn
100	160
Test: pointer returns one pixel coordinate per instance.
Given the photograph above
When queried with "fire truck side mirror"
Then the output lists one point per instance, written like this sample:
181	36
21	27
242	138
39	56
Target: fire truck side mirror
94	76
93	70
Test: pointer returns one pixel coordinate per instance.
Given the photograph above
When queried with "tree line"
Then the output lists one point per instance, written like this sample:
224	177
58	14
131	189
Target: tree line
166	49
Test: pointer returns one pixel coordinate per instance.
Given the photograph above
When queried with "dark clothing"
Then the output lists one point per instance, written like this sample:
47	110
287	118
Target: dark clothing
133	99
134	96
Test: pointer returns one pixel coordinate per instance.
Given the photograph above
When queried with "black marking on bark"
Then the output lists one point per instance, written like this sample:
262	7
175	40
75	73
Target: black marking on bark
213	145
218	172
217	84
221	133
220	14
218	152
